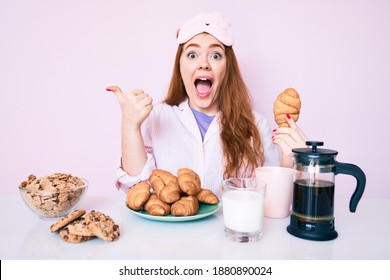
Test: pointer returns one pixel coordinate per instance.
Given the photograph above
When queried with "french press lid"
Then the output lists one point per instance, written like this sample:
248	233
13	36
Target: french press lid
322	160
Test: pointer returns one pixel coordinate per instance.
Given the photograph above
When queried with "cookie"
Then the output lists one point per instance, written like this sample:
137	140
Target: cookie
64	221
73	238
102	226
80	227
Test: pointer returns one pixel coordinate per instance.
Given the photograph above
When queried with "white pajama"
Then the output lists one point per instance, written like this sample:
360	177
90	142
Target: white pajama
172	140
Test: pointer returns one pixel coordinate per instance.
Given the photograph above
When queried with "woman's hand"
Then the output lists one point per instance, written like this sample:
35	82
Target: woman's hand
289	138
136	105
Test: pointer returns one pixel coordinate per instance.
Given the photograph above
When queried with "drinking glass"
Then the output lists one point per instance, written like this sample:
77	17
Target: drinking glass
243	208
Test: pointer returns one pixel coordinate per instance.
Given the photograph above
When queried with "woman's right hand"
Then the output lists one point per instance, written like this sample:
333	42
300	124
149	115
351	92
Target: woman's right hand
136	105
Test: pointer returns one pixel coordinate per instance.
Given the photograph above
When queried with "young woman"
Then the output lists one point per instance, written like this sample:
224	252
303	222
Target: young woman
207	122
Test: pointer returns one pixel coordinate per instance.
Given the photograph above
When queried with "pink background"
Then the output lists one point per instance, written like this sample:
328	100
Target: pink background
57	57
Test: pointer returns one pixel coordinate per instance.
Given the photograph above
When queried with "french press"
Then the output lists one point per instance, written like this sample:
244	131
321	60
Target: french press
313	195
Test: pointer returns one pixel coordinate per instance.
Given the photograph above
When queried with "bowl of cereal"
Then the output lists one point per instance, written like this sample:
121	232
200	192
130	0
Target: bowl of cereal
53	196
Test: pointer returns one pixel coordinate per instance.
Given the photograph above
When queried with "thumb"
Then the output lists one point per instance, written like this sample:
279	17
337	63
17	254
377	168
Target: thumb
118	92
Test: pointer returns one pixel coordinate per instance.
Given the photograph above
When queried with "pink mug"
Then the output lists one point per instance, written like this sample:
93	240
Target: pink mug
278	197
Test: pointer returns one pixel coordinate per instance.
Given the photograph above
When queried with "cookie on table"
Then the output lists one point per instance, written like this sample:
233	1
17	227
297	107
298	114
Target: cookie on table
80	227
73	238
102	226
64	221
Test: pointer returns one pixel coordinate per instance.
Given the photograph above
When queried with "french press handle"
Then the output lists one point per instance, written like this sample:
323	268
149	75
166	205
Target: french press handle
355	171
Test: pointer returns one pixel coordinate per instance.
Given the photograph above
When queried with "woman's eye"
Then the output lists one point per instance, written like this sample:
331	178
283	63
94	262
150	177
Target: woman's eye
216	56
191	55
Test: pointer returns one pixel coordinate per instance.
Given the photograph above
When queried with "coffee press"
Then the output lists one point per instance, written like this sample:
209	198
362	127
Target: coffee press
313	195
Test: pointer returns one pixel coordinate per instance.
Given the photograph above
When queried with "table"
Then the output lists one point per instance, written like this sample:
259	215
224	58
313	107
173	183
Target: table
362	235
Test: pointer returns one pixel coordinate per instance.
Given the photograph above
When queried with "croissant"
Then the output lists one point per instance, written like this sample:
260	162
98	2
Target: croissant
185	206
189	181
156	206
165	185
288	102
138	195
207	196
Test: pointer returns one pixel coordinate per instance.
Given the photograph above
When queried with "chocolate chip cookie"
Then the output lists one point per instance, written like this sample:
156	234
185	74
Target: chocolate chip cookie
73	238
80	227
64	221
102	226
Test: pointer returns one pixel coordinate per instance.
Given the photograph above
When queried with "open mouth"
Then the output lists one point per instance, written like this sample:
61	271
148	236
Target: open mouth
203	86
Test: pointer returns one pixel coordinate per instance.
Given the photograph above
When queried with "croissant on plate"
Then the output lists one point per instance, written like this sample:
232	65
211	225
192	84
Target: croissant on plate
138	195
185	206
189	181
165	185
288	102
207	196
156	206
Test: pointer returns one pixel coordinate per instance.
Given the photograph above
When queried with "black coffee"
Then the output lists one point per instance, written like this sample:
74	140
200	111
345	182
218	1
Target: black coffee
313	201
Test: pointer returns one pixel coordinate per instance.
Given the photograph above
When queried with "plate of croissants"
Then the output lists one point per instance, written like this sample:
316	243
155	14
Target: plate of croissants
170	198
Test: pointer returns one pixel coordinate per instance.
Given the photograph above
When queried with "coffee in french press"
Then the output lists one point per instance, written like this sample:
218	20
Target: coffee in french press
313	195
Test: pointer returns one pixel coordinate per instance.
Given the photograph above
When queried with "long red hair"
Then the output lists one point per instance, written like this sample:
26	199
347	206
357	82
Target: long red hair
241	141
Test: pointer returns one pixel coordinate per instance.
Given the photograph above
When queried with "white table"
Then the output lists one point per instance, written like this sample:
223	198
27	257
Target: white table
362	235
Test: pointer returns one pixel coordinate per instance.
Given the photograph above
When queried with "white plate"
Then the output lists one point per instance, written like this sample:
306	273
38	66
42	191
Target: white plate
205	210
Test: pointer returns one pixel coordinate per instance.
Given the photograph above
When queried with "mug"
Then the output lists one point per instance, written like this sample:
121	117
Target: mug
278	198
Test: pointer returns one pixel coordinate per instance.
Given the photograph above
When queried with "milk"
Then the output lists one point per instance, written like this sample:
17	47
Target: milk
243	210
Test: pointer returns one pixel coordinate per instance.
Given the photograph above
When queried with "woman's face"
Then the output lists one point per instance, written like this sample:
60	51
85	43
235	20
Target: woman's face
202	68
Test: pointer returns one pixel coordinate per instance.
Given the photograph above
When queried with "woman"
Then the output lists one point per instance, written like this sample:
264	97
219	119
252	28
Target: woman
207	122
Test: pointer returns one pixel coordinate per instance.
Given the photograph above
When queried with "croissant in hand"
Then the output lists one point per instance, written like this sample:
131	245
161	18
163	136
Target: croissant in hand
138	195
185	206
288	102
165	185
189	181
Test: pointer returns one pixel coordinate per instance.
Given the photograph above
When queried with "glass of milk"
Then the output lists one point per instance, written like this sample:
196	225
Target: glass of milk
243	208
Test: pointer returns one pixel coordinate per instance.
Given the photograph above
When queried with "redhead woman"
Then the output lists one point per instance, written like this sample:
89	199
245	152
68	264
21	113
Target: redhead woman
206	122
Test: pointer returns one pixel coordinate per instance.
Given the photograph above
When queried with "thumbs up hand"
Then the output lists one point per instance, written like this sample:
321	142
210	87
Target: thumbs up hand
136	105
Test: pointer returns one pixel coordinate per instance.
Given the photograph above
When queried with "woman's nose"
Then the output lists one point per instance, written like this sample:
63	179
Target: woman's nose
204	64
